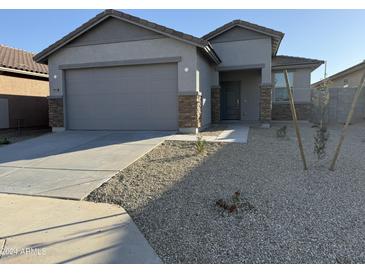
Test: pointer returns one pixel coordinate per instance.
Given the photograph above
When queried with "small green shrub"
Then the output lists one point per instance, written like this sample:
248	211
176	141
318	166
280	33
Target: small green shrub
200	145
234	204
320	142
281	132
4	141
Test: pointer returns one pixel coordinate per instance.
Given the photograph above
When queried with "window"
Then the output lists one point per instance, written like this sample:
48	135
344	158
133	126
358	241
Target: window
280	90
345	83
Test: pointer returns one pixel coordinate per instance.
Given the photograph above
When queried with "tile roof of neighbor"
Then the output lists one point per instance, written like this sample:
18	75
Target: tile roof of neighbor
284	60
19	59
344	72
41	57
278	36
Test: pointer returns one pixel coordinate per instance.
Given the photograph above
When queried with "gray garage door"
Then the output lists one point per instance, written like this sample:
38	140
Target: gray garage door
142	97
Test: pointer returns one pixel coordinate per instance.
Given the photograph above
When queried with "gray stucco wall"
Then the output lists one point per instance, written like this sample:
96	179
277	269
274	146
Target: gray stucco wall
250	91
237	34
249	51
113	30
206	78
131	50
301	82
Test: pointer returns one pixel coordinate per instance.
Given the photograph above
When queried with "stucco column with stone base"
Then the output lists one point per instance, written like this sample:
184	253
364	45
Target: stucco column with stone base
189	113
216	104
55	113
265	103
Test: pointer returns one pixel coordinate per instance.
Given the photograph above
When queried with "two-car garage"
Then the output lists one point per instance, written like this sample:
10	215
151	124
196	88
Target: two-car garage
121	72
133	97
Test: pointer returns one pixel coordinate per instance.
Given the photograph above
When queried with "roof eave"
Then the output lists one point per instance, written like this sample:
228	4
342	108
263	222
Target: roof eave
233	24
212	54
313	65
25	72
42	56
277	35
280	38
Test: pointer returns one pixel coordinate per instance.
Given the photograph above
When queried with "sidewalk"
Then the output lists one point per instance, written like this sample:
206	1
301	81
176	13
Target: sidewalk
44	230
234	133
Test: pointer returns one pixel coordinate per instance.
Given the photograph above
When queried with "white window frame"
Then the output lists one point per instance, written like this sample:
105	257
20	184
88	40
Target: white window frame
345	83
282	86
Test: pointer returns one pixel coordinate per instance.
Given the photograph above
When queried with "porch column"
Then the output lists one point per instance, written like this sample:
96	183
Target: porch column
216	103
190	109
265	103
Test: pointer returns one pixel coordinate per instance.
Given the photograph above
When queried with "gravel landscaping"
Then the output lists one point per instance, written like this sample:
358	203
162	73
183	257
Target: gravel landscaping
293	216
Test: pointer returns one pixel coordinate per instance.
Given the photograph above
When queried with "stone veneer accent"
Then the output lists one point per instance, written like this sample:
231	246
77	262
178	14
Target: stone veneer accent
190	111
216	104
265	102
281	111
55	112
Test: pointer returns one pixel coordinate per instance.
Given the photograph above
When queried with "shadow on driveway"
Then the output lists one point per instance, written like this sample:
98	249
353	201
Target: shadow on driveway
73	163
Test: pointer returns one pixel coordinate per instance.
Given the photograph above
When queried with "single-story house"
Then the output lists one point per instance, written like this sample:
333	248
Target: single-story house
342	87
348	78
121	72
24	90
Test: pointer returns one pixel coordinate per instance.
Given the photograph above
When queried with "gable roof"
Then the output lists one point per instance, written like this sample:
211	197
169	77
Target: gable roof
281	61
21	61
198	42
349	70
276	35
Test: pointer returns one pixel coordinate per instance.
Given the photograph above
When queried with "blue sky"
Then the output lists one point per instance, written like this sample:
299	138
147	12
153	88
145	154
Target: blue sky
333	35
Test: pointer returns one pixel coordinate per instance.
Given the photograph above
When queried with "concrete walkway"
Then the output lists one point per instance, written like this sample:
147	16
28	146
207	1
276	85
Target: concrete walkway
73	163
235	133
44	230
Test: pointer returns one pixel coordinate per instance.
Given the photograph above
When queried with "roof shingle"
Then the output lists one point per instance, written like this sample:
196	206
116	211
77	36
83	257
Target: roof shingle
20	60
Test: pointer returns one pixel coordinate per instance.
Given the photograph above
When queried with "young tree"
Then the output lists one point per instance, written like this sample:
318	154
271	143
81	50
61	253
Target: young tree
320	102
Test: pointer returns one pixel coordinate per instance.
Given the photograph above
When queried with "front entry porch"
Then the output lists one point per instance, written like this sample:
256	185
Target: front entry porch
241	96
231	100
225	132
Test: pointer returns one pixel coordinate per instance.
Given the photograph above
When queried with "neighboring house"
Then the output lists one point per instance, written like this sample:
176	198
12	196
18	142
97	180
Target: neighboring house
342	87
120	72
23	90
348	78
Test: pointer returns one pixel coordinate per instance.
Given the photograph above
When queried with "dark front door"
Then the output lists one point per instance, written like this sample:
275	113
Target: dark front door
230	100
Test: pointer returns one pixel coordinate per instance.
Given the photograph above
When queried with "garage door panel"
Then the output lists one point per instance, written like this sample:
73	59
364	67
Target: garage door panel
122	98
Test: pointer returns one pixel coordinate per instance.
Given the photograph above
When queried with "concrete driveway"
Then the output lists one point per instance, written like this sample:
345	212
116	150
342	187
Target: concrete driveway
43	230
71	164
